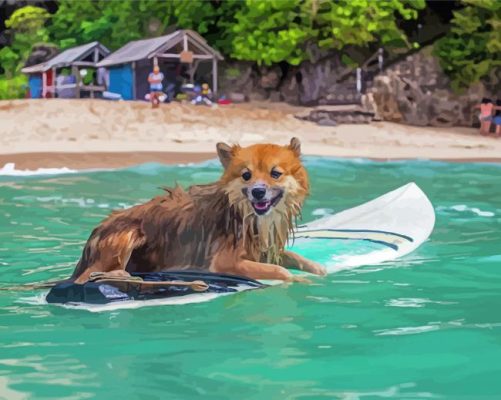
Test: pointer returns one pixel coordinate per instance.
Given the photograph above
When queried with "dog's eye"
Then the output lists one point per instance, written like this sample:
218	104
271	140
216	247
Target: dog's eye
246	175
275	174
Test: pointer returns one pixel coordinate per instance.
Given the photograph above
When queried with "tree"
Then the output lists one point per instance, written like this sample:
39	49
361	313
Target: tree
471	51
212	19
112	22
27	27
271	31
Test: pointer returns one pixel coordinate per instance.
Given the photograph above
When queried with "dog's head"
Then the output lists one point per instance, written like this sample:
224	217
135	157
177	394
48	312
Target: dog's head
264	178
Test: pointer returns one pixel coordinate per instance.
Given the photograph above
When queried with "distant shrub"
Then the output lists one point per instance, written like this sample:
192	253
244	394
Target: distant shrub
471	51
13	88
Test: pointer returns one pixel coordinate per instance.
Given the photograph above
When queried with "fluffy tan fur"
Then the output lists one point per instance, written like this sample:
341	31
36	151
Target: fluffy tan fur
209	227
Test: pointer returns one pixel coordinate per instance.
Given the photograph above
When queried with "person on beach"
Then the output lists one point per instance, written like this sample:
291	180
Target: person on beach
485	116
155	79
497	118
203	95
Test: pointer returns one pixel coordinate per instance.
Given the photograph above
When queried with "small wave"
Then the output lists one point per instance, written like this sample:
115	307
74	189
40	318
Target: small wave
9	169
78	201
321	212
414	302
465	208
153	168
408	330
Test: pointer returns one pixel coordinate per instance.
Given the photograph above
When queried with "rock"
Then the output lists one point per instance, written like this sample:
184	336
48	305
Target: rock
386	104
417	92
275	96
237	77
335	115
326	121
258	95
270	77
236	97
370	105
40	54
317	80
289	89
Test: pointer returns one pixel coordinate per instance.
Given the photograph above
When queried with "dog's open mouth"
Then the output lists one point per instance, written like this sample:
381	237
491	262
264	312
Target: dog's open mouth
262	207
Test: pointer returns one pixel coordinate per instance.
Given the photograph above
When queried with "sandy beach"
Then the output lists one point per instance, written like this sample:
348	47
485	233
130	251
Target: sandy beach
95	133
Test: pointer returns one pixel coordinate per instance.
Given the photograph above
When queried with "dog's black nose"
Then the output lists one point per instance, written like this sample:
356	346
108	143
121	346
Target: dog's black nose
258	193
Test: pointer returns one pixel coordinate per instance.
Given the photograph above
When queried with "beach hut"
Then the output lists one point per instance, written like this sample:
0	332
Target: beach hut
43	80
182	50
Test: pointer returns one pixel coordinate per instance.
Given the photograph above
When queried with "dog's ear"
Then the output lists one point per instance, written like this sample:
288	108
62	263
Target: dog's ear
225	154
295	146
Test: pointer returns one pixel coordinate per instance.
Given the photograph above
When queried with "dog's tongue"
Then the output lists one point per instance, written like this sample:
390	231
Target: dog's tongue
262	205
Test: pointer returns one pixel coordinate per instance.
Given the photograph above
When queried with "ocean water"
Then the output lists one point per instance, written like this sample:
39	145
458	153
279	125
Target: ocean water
424	326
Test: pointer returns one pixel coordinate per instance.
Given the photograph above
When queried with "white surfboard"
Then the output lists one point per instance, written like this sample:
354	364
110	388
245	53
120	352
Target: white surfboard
390	226
380	230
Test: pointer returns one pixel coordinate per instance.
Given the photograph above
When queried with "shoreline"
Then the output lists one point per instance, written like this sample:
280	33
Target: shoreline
91	160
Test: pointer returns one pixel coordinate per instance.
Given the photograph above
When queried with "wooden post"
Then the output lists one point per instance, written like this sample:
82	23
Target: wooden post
54	82
44	85
214	76
185	42
193	69
96	60
359	80
75	71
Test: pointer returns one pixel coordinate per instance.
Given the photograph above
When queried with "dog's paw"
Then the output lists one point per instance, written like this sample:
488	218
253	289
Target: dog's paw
299	279
316	268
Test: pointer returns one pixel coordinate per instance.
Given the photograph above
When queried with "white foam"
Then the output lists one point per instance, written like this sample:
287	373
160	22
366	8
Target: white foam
321	212
407	330
474	210
9	169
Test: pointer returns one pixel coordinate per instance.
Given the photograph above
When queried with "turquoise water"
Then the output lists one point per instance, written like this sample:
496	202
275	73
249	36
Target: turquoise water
425	326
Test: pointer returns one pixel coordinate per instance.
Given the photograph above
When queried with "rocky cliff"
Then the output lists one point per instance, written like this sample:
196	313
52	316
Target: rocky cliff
413	90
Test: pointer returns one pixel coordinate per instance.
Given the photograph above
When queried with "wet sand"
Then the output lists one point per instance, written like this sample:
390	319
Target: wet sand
32	161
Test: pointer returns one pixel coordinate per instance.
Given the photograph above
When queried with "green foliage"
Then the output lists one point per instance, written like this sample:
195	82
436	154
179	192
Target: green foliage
13	88
112	22
27	19
471	51
264	31
212	19
270	31
27	26
9	60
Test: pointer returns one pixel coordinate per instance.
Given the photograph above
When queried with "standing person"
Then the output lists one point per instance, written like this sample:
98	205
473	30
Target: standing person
155	79
497	117
485	115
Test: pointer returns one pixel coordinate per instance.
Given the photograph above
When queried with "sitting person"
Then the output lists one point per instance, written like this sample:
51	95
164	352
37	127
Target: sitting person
203	95
485	116
497	117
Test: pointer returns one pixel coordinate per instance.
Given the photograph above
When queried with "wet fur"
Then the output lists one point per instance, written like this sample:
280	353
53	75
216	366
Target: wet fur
208	227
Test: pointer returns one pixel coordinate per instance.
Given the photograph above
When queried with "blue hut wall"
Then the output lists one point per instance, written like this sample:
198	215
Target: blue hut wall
35	84
121	81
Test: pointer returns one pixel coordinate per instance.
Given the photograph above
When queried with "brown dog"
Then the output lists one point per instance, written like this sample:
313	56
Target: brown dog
238	225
